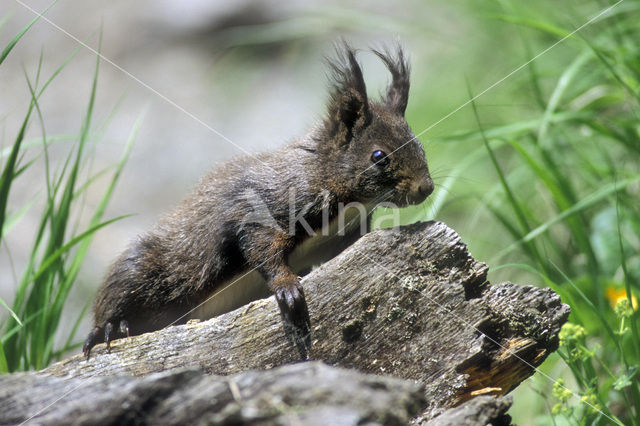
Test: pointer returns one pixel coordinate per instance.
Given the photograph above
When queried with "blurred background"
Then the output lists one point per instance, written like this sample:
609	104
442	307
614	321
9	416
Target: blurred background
210	80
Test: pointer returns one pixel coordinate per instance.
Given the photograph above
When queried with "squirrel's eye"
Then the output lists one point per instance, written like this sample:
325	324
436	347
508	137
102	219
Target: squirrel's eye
380	158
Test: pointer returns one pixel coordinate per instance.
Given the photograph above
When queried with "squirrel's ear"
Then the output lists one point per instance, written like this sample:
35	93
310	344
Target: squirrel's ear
348	109
398	91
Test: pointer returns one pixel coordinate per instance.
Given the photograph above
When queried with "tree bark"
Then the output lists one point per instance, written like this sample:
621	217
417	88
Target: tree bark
409	302
481	410
304	393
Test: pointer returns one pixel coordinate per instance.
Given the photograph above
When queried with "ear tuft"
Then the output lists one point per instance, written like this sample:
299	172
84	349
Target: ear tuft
398	91
348	109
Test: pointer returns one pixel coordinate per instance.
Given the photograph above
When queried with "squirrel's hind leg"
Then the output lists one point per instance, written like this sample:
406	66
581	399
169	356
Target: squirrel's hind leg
95	336
106	334
124	328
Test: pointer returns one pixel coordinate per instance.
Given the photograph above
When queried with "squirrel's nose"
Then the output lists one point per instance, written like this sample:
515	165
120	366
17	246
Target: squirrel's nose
426	187
421	189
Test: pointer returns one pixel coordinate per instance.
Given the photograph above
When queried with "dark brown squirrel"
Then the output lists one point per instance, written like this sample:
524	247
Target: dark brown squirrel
255	222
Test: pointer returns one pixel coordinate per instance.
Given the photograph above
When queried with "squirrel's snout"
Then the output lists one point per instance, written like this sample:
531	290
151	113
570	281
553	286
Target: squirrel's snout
420	190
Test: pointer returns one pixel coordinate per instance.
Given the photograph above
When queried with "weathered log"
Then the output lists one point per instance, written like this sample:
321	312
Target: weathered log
482	410
304	393
409	302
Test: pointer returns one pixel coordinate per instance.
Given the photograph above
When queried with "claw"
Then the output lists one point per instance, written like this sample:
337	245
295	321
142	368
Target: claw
108	330
95	336
295	315
124	328
106	334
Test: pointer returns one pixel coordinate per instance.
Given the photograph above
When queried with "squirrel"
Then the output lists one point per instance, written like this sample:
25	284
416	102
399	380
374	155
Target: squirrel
234	237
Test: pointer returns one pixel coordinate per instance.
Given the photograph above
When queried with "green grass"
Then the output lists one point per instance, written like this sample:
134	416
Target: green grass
566	193
59	245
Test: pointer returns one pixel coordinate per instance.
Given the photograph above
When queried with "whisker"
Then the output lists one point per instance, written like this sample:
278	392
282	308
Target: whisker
375	202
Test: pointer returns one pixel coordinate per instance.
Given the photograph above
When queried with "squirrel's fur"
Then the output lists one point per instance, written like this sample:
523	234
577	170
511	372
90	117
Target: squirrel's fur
209	242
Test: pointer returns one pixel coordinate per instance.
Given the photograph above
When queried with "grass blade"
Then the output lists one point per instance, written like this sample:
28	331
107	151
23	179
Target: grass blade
55	256
9	169
16	39
4	368
13	314
586	202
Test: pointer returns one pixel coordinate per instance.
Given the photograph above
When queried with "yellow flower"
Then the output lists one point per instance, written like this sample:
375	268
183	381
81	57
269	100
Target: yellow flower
560	392
591	400
571	334
623	308
615	294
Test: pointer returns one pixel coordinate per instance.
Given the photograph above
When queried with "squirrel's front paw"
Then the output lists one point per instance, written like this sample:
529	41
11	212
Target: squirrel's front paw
295	314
